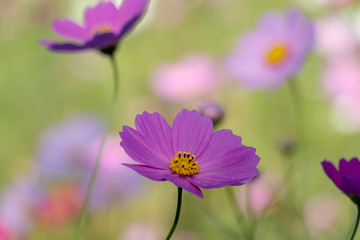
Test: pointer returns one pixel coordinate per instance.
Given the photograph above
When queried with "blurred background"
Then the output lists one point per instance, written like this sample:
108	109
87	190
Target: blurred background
53	107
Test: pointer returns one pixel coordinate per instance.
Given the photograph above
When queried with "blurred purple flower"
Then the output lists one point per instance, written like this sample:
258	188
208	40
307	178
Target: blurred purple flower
273	52
167	153
347	178
62	152
16	206
189	79
104	26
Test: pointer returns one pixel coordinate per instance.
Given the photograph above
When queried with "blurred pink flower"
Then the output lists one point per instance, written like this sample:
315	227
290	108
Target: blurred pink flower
115	184
341	81
59	205
141	231
261	192
191	78
321	212
334	37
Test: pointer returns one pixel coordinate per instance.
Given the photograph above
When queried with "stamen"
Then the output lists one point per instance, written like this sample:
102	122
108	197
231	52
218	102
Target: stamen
277	55
183	163
101	29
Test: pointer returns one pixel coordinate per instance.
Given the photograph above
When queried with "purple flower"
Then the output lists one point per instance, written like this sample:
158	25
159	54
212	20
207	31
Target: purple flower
347	179
273	52
104	26
188	154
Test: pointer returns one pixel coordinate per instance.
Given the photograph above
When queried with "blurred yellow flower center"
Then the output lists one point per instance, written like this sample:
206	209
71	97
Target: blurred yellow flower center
183	163
101	29
277	55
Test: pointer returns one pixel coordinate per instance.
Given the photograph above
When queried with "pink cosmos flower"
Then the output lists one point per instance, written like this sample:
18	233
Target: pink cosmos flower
341	81
186	80
273	52
347	178
104	26
188	154
321	213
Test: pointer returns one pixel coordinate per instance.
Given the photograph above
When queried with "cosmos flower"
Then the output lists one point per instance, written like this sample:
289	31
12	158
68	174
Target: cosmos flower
273	52
104	26
188	154
186	80
347	178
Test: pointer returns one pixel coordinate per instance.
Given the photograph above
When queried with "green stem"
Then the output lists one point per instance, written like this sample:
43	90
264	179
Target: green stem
94	174
296	101
177	215
356	224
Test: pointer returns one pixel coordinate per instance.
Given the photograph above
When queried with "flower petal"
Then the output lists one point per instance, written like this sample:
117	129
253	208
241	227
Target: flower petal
62	47
129	12
191	132
351	168
225	161
158	133
102	13
351	185
332	173
139	148
155	174
69	29
184	183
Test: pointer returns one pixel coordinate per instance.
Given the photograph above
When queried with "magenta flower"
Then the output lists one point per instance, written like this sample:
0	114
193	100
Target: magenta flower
188	154
347	179
273	52
104	26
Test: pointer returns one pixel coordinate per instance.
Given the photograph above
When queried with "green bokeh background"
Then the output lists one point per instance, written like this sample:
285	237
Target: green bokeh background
39	88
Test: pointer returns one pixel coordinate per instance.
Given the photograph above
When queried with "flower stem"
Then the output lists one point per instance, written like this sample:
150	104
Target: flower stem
177	215
356	224
94	174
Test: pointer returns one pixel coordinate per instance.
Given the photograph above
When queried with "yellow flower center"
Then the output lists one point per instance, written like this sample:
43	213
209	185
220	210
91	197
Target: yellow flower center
101	29
183	163
277	55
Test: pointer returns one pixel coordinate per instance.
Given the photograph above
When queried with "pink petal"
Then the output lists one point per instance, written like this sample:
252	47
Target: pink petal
69	29
129	10
191	132
102	13
184	183
154	174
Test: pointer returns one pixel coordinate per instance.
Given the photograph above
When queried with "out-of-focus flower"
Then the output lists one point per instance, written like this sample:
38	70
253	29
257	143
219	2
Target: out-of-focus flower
189	154
62	152
189	79
4	232
341	81
58	205
334	37
273	52
256	197
321	212
141	231
16	206
347	178
114	184
104	26
212	110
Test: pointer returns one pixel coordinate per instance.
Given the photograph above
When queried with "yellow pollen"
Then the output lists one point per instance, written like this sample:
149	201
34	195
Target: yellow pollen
184	164
101	29
277	55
